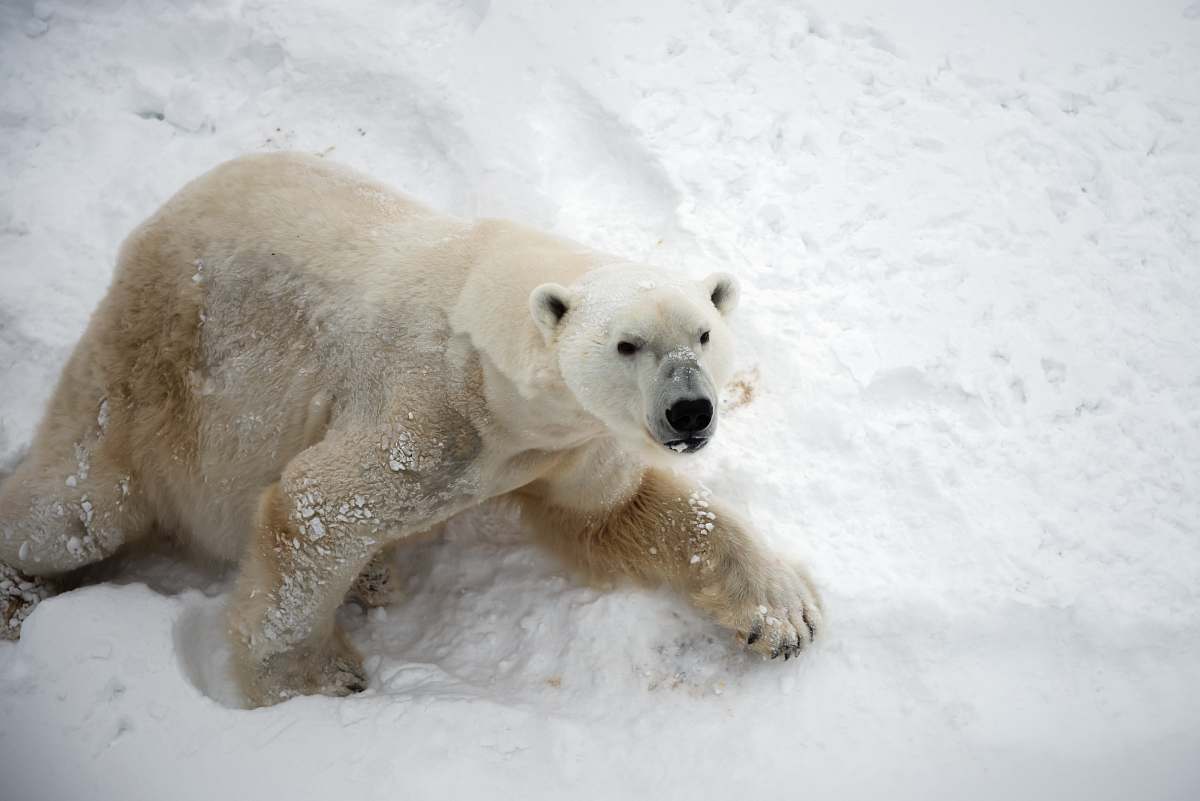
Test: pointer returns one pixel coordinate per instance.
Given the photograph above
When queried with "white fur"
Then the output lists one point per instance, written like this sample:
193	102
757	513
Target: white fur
296	367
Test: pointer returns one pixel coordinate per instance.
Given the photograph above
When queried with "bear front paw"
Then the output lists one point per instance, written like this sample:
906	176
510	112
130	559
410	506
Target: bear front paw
19	594
333	669
774	611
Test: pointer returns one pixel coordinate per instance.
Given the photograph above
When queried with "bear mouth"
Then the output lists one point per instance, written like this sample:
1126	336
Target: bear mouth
689	445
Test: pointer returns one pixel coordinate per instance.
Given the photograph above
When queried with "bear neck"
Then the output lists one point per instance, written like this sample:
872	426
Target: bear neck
493	308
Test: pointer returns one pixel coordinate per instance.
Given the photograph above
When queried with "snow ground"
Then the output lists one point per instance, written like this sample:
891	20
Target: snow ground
971	242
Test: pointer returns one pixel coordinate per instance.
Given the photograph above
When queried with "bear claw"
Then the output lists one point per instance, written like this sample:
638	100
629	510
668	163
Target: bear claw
785	619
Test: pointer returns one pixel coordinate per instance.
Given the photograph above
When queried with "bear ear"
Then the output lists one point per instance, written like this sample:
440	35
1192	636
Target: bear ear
722	289
548	304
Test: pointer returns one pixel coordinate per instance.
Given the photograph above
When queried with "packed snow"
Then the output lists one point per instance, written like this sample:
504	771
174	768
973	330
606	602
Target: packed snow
969	240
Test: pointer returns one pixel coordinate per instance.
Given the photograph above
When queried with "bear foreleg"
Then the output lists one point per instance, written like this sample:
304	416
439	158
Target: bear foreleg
670	532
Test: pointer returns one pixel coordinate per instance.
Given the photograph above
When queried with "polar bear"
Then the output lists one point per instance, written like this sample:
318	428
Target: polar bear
296	367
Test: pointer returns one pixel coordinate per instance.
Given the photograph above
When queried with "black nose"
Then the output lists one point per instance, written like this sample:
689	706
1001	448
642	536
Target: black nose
686	416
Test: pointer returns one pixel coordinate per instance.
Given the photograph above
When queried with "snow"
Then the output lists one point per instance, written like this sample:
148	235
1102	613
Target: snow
968	240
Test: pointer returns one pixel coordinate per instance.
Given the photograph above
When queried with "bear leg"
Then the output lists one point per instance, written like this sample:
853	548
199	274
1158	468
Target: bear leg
337	505
669	532
70	503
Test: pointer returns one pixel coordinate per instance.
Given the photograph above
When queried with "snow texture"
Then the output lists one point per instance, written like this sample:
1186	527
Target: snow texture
970	243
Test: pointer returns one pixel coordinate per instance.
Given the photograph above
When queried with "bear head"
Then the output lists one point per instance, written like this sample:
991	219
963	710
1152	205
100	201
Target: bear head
645	353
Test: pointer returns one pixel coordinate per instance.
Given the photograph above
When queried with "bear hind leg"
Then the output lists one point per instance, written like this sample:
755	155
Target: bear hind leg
63	508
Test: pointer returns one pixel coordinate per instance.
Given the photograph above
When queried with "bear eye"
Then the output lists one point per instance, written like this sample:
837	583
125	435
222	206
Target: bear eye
704	338
626	348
